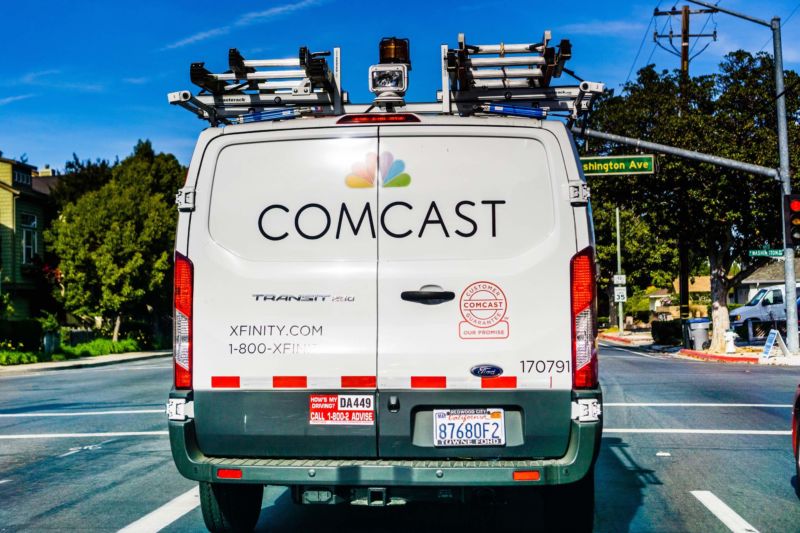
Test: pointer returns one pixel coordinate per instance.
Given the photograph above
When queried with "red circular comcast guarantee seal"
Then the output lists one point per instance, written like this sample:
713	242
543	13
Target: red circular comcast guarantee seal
483	304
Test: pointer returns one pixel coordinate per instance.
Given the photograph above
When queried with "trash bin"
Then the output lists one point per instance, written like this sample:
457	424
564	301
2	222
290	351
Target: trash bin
698	331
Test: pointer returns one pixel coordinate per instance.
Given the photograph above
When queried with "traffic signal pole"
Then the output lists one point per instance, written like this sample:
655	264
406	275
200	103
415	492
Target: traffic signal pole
792	341
783	153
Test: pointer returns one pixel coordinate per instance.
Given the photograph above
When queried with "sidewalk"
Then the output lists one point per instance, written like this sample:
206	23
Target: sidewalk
628	338
744	354
82	362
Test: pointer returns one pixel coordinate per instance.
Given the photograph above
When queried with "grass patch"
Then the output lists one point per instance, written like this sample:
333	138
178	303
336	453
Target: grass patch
98	347
17	358
86	349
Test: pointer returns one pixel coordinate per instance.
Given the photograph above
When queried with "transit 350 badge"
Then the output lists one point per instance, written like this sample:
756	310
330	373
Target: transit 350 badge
483	306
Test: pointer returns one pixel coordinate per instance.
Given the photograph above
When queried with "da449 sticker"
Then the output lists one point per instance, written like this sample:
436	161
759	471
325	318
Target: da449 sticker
341	409
483	306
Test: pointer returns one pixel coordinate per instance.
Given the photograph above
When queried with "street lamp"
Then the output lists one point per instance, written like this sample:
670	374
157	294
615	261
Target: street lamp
783	152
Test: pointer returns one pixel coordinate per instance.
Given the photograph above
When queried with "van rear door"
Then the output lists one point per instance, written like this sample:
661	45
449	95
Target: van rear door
284	247
474	288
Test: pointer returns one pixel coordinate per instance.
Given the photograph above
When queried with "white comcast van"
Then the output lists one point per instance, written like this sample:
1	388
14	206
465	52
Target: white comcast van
385	308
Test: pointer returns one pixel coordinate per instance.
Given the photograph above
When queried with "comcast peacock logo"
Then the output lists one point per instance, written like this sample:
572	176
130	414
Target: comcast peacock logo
392	172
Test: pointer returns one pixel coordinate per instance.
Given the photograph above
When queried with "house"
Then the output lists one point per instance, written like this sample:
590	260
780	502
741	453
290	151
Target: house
25	209
769	274
659	299
697	284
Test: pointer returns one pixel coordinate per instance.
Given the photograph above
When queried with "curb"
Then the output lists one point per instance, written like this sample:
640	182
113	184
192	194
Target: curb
703	356
614	338
83	362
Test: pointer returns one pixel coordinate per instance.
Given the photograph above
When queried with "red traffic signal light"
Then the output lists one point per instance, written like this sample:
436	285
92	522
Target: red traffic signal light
791	219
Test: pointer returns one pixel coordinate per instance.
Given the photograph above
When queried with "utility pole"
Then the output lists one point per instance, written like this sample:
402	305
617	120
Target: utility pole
789	274
683	53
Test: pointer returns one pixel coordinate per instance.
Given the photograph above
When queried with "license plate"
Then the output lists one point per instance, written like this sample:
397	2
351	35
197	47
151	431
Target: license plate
469	427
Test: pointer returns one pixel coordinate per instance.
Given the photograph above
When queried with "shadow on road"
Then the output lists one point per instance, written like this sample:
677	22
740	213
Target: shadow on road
620	486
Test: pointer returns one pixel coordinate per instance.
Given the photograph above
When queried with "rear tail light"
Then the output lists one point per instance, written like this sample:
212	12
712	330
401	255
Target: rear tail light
376	118
584	298
182	350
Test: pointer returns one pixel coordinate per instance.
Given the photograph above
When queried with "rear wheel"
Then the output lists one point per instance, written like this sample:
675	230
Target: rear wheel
571	507
229	507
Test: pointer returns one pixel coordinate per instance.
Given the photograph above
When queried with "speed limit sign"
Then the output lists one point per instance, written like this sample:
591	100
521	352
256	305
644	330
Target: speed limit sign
620	295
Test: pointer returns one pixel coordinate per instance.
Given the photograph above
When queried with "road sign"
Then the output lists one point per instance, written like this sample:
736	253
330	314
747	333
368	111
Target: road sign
765	253
620	295
618	164
619	279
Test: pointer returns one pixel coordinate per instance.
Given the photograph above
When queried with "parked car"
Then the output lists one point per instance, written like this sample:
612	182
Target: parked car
767	305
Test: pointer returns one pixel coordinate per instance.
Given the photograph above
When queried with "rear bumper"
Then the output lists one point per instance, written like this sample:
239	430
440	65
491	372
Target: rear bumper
581	453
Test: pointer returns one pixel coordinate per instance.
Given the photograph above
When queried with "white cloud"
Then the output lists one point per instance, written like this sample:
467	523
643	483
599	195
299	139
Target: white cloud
197	37
603	27
17	98
136	81
248	19
54	79
34	78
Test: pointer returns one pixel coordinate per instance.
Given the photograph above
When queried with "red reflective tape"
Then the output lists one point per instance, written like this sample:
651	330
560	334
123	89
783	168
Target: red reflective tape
224	382
359	382
229	473
502	382
526	475
428	382
289	382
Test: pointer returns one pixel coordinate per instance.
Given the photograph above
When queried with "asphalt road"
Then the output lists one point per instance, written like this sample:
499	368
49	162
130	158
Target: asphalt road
103	463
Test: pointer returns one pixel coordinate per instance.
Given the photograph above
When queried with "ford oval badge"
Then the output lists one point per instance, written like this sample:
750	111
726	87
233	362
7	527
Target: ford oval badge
486	371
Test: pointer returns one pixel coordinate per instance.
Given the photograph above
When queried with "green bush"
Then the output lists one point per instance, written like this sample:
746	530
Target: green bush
100	347
667	331
641	316
27	333
17	358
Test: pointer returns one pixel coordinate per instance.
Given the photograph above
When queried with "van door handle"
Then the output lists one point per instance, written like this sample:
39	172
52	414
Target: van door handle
427	297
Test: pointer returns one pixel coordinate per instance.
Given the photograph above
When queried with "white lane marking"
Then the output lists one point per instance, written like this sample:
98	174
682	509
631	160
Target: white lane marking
634	404
87	413
90	447
166	514
699	431
663	454
726	515
82	435
69	453
4	481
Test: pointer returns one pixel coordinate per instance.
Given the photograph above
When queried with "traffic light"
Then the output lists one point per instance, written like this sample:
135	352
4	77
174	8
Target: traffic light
791	219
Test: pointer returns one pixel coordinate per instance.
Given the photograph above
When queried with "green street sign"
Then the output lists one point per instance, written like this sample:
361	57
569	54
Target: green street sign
765	253
618	164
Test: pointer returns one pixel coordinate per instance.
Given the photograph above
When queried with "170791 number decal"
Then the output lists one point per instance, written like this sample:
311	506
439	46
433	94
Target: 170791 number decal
545	366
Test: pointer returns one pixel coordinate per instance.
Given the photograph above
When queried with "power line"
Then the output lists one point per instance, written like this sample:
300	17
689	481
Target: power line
708	19
641	45
653	51
782	25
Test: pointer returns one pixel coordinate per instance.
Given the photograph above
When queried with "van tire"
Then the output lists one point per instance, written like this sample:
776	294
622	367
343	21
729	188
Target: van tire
229	507
571	507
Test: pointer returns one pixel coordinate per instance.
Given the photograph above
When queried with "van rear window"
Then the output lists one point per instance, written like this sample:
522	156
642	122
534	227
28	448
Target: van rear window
420	197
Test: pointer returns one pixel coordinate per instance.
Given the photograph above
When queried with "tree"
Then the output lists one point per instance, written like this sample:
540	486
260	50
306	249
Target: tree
731	114
79	178
114	244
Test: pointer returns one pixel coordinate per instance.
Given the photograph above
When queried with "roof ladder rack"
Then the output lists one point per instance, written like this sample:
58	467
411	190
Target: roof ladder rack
474	76
250	89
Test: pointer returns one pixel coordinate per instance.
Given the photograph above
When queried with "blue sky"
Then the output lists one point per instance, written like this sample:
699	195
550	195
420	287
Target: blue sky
91	77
